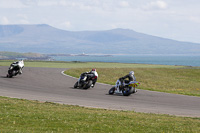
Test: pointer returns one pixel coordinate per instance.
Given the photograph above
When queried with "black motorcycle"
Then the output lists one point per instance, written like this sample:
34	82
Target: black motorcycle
85	81
13	71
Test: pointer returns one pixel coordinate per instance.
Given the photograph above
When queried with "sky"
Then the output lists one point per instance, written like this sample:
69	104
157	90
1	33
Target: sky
173	19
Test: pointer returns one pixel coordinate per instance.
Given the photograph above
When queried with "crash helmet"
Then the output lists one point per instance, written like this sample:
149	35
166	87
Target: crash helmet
131	73
93	70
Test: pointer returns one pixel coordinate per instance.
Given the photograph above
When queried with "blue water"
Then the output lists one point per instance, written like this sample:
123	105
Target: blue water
183	60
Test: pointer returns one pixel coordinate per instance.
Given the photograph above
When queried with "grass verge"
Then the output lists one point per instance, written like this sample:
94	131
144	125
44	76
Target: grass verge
176	80
18	115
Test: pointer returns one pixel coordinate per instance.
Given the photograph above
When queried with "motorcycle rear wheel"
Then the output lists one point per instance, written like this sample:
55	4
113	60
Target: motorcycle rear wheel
134	90
10	73
127	91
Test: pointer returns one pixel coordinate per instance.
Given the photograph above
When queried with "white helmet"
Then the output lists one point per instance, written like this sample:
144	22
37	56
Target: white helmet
131	73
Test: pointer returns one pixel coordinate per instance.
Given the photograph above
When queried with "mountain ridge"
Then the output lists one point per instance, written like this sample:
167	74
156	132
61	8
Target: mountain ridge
42	38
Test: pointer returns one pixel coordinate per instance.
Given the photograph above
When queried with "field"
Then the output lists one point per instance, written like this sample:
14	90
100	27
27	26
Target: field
32	116
63	64
17	115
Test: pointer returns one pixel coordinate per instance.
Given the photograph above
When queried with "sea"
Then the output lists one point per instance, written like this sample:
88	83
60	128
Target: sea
182	60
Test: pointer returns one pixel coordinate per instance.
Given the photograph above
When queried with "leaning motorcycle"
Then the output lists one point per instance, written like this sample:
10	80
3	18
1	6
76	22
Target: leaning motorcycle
125	88
85	81
13	71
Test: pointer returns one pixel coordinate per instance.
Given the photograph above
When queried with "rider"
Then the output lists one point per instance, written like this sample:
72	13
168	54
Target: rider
130	76
19	64
94	72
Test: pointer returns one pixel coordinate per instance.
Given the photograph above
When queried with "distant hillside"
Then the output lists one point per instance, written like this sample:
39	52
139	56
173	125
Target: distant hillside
43	38
15	55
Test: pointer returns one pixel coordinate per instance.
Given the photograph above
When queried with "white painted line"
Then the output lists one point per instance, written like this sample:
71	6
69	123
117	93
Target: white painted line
67	75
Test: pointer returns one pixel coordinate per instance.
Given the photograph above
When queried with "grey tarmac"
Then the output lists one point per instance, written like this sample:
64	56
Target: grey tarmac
49	84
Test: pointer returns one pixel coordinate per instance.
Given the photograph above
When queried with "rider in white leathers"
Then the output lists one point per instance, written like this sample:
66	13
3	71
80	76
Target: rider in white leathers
95	74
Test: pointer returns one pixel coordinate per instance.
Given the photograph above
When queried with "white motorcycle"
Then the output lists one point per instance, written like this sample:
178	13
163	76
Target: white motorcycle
125	88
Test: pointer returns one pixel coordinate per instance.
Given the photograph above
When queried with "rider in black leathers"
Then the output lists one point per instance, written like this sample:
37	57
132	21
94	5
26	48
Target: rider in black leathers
130	76
93	72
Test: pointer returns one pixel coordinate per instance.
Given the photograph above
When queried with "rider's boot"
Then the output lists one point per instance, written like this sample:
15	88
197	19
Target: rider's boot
92	86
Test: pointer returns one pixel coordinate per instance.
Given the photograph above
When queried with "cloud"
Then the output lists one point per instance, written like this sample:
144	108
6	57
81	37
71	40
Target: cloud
4	20
124	3
29	2
195	19
47	3
156	5
23	16
66	24
11	4
65	3
24	21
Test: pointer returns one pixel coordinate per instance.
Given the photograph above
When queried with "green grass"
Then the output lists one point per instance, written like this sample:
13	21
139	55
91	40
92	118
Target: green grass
63	64
18	115
32	116
172	80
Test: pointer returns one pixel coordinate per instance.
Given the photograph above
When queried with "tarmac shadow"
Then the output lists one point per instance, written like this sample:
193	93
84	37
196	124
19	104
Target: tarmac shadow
114	94
79	88
3	77
73	88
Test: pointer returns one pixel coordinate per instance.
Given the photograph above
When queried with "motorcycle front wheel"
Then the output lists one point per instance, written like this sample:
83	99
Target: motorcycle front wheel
111	91
76	85
10	73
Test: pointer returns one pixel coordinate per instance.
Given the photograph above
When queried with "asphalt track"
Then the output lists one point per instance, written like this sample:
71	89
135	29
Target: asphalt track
49	84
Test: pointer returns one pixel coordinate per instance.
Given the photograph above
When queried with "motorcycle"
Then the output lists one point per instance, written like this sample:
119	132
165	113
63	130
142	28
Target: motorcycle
15	68
13	71
85	81
125	88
